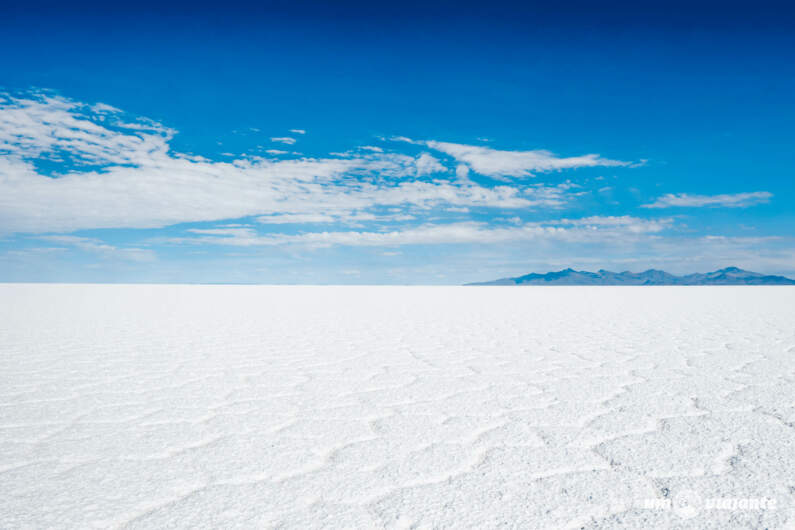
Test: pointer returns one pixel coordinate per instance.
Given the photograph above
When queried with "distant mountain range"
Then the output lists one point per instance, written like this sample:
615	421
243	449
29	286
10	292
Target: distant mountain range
727	276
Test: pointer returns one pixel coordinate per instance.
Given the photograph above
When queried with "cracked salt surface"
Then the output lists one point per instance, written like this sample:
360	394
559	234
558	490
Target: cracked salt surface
367	407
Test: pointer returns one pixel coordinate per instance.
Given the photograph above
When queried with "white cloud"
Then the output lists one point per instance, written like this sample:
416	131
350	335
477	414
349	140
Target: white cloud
736	200
125	175
299	218
500	164
25	253
101	248
284	140
631	224
275	152
427	165
586	230
102	108
343	217
298	131
55	128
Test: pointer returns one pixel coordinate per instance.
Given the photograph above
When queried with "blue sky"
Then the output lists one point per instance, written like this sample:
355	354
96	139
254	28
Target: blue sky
393	143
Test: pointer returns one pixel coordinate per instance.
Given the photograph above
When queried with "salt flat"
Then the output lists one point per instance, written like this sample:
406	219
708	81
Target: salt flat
303	407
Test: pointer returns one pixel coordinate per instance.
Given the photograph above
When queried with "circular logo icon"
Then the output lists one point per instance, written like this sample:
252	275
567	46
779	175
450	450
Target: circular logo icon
687	504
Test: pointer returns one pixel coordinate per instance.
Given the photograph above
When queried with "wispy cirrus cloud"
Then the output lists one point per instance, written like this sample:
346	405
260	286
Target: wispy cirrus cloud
586	230
297	218
284	140
53	128
342	217
517	164
631	224
121	172
727	200
104	250
428	165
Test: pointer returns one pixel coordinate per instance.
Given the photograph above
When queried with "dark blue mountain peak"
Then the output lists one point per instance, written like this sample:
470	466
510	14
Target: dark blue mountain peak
569	276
